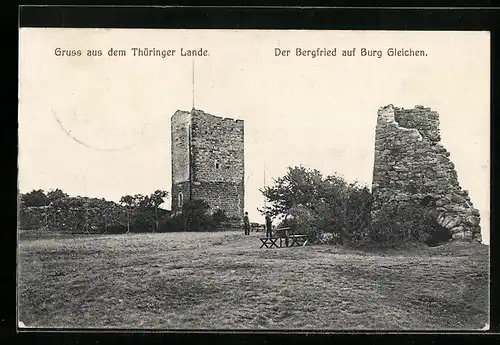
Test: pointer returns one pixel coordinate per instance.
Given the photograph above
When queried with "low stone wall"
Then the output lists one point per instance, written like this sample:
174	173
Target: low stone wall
70	220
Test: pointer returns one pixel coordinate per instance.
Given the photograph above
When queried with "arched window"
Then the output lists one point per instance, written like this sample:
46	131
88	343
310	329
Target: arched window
180	200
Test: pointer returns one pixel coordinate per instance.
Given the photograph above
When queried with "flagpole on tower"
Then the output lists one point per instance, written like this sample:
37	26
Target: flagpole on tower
265	203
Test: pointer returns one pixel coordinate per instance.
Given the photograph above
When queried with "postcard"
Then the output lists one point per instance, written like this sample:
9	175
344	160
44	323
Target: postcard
253	179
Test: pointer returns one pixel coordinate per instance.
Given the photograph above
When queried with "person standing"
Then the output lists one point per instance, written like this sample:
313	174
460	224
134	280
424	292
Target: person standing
269	225
246	224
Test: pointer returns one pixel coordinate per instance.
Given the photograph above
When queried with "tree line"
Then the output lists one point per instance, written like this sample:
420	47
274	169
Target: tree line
327	208
56	211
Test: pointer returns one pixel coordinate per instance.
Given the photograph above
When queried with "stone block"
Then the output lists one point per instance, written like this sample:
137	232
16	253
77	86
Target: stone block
462	236
448	221
440	210
477	237
457	230
472	220
430	183
458	208
441	202
458	198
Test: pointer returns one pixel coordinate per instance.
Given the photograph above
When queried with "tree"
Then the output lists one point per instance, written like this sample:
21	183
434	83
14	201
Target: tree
114	217
145	214
141	201
35	198
146	210
299	187
156	199
128	201
315	204
56	196
194	212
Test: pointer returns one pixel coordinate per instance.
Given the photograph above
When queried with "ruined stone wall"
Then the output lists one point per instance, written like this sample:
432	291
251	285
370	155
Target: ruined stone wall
180	136
218	169
411	165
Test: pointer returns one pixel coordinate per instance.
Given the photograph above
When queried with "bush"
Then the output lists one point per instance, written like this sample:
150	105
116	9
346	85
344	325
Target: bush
331	210
219	217
304	221
346	215
175	223
195	212
398	224
193	218
316	205
208	223
116	229
329	238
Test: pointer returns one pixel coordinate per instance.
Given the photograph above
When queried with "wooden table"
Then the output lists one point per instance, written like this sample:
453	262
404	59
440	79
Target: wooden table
269	242
282	233
290	240
298	240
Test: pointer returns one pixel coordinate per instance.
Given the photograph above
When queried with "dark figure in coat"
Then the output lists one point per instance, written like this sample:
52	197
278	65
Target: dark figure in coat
246	224
269	225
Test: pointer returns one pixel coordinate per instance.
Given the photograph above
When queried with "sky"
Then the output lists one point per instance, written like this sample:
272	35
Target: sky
100	126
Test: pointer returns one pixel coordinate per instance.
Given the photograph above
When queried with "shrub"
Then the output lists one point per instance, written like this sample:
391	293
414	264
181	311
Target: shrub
329	238
175	223
116	229
346	215
316	204
208	223
303	220
331	210
34	198
193	218
195	212
397	224
219	217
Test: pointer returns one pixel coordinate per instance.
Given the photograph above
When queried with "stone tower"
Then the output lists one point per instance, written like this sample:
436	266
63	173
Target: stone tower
411	165
208	161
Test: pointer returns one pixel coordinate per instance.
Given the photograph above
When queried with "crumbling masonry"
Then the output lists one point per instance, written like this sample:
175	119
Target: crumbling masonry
411	165
208	161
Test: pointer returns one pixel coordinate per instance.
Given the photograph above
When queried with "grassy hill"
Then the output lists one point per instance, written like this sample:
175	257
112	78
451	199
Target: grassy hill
224	281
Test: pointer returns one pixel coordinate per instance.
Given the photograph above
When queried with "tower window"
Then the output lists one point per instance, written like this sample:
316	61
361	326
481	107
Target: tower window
216	164
180	201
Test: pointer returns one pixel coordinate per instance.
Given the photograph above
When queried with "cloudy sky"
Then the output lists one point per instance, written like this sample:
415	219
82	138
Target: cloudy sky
100	126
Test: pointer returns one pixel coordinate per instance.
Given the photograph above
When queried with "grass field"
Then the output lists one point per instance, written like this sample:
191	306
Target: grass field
224	281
